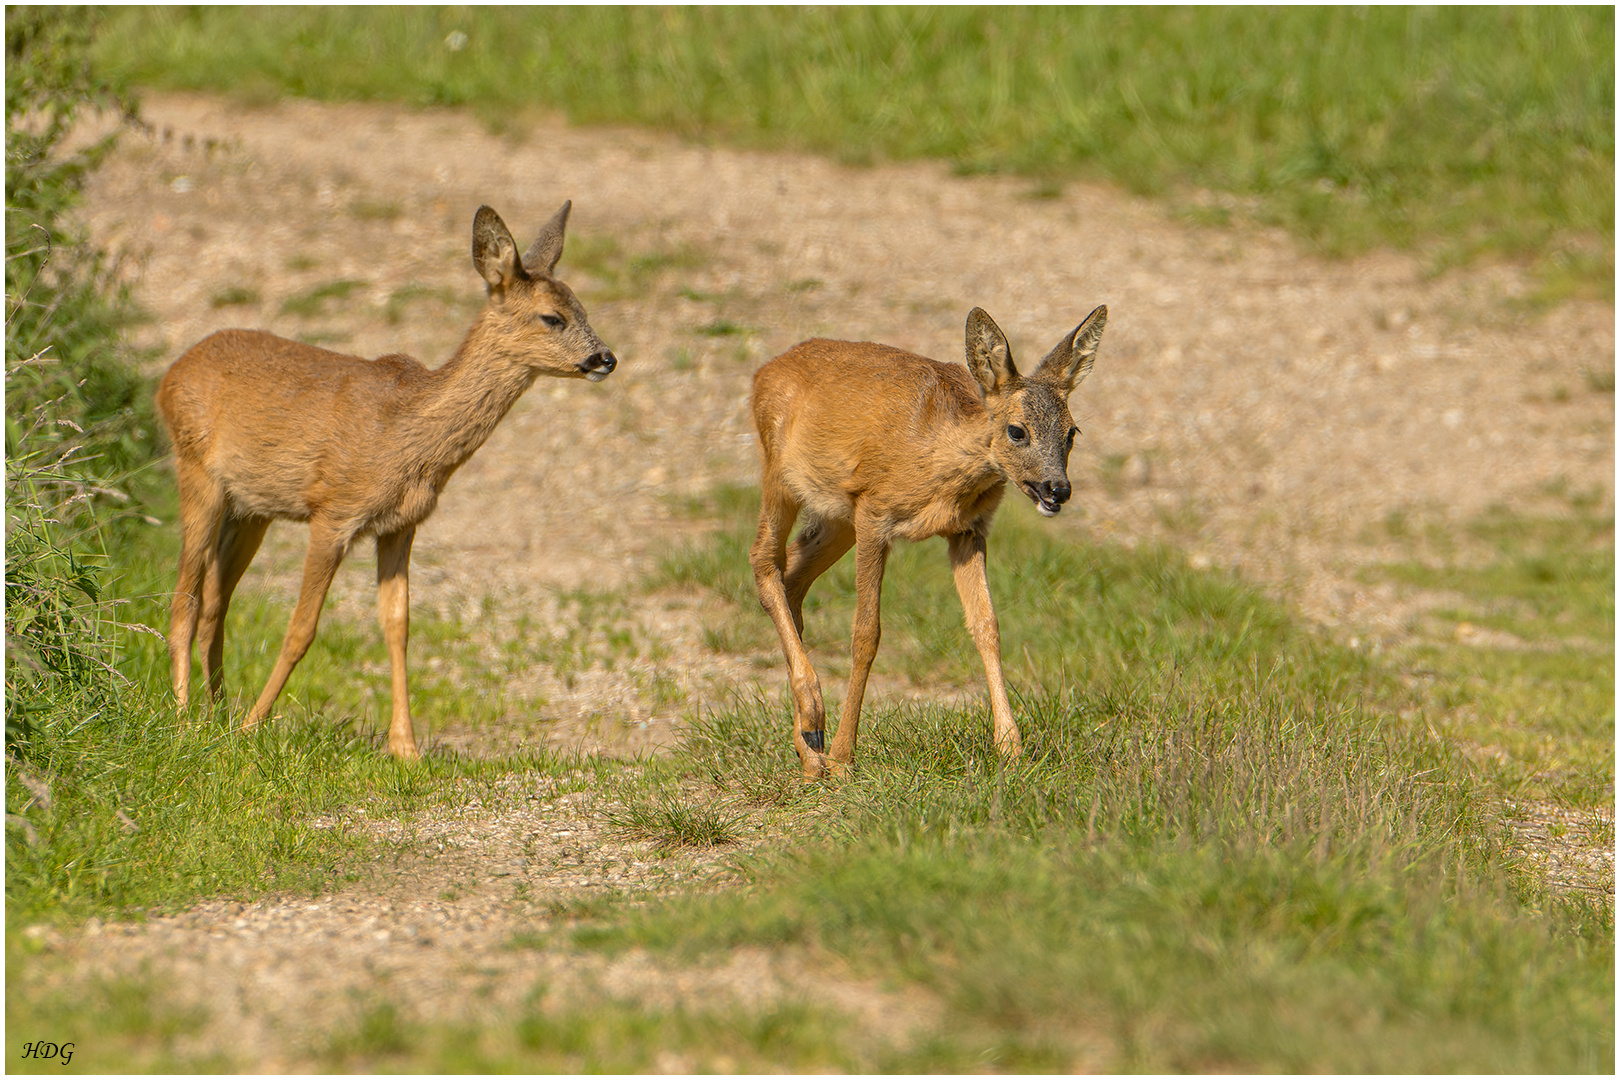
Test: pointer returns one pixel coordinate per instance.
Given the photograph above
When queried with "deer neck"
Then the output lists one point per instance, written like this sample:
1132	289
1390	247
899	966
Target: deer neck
964	462
978	433
470	394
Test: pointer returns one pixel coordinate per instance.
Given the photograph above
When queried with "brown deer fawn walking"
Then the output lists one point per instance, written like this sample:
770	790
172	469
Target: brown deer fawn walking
266	428
875	444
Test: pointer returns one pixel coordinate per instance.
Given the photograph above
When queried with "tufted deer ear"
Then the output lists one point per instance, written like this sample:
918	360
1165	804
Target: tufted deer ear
541	258
495	252
1070	362
989	356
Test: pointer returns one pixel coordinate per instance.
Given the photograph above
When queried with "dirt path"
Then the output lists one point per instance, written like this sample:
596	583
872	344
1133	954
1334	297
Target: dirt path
1261	408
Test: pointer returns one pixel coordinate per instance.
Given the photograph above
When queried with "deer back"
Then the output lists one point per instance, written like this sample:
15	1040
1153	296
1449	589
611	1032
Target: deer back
291	431
903	436
916	447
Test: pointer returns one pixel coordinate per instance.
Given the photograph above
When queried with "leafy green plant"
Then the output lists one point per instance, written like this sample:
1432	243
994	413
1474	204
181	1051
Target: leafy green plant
78	422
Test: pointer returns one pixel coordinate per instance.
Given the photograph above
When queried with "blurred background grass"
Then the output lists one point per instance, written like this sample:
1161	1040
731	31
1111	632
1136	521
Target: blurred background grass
1459	132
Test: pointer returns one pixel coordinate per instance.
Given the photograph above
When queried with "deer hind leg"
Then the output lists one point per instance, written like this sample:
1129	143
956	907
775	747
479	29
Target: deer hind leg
820	544
871	558
202	506
394	612
968	552
327	547
768	557
239	540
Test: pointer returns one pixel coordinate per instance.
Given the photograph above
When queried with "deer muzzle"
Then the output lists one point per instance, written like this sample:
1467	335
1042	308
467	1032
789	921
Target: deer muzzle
1048	495
598	366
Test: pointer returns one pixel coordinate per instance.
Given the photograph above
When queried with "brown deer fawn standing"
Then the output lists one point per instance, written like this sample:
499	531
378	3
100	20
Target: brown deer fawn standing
875	444
267	428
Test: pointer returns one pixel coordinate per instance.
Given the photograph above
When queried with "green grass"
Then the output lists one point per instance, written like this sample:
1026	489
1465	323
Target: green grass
614	1037
672	822
401	299
123	1025
113	1024
376	209
313	301
234	296
124	809
622	274
1455	130
1542	702
1225	849
121	806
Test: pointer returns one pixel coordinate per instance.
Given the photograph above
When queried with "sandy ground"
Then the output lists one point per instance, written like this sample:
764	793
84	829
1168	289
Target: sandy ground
1261	408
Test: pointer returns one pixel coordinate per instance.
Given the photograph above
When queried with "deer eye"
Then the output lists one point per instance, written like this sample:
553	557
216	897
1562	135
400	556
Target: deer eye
1017	434
553	321
1072	433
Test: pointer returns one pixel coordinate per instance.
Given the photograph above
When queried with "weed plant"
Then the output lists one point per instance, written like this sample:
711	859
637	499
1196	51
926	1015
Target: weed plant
67	396
76	423
1456	130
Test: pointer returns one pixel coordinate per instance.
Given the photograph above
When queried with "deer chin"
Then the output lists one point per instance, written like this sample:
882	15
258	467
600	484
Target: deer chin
1047	507
597	375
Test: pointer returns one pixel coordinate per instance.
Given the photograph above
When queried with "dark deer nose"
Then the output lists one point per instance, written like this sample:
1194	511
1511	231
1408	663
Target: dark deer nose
599	366
1057	492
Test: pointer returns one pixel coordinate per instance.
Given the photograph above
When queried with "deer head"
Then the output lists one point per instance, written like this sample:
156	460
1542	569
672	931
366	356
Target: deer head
1032	430
537	319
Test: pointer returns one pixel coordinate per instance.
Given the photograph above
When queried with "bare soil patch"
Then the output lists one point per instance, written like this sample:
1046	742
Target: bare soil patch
1258	407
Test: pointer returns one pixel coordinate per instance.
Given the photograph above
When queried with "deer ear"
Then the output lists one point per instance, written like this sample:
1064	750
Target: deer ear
989	356
542	256
494	251
1070	362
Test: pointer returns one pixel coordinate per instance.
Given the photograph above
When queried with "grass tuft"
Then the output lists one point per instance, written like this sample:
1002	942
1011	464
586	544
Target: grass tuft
673	823
313	302
235	296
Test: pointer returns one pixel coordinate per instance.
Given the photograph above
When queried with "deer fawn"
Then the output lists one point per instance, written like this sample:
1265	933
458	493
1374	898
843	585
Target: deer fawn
875	444
267	428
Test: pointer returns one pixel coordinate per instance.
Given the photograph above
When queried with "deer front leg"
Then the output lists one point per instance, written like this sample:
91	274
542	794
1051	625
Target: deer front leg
973	586
326	551
871	557
394	611
768	557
